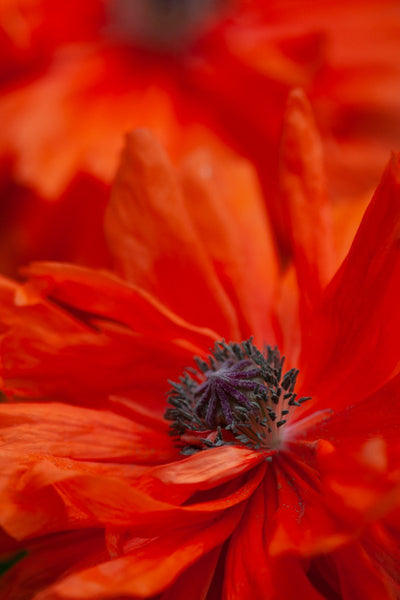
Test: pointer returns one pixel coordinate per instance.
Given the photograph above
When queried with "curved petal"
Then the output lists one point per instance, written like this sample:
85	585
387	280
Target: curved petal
50	557
302	523
155	243
176	481
368	571
225	205
194	582
328	494
378	414
247	573
104	295
150	566
352	345
250	570
47	350
82	434
307	206
358	454
41	493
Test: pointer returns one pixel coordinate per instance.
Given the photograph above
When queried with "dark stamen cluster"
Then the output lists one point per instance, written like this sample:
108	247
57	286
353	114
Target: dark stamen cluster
237	395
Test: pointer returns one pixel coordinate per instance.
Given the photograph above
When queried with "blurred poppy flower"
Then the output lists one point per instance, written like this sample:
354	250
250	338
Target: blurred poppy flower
211	73
290	481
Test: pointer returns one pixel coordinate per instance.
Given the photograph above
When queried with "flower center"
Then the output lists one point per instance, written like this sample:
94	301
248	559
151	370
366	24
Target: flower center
238	395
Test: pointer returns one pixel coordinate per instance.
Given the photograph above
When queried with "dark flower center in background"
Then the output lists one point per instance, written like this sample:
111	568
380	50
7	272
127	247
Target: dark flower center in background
163	23
238	395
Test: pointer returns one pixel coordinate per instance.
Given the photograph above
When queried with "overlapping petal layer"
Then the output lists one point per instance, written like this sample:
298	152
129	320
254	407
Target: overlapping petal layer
212	228
95	351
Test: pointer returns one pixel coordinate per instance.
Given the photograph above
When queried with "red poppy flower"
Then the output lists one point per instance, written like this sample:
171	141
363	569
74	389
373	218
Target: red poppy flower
91	82
279	494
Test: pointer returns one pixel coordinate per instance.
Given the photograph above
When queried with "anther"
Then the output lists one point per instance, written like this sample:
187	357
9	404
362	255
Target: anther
235	396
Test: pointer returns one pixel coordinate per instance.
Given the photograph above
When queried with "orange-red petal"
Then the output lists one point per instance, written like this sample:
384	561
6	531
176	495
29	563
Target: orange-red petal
305	195
155	242
82	434
224	202
149	567
50	557
351	347
176	481
49	350
251	572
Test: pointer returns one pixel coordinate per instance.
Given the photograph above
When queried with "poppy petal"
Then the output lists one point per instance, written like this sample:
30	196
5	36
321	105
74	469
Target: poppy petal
359	484
251	570
50	557
248	570
304	190
302	523
225	205
358	454
375	581
43	493
195	581
76	357
155	243
201	471
376	415
79	433
148	568
105	295
351	348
